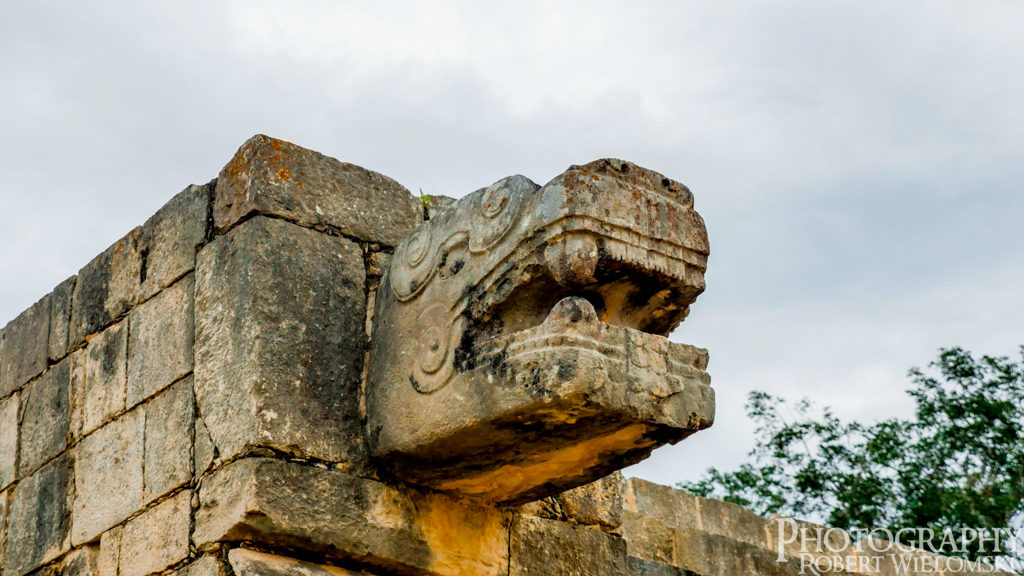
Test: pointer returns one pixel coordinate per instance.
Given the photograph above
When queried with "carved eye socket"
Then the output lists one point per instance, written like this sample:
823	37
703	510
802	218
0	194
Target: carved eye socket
494	200
417	246
434	349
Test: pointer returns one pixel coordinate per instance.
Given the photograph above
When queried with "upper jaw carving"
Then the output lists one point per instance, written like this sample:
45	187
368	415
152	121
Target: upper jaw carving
525	327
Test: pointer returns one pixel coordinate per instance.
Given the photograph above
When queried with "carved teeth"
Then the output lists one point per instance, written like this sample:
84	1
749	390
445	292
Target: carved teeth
572	259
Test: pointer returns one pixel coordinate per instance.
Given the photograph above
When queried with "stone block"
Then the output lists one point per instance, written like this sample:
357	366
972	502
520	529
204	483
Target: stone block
82	561
597	503
46	417
160	346
8	440
673	507
252	563
106	288
279	340
648	538
108	476
168	451
110	551
541	547
52	569
330	512
78	361
25	343
711	555
60	316
204	453
641	567
728	519
5	497
106	376
170	238
277	178
157	538
39	518
206	565
529	324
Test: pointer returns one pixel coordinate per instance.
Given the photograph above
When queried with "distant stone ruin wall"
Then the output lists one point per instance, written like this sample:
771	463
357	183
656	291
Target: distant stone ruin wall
192	403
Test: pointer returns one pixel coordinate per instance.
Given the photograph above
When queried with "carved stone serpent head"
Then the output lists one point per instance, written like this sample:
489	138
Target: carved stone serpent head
519	339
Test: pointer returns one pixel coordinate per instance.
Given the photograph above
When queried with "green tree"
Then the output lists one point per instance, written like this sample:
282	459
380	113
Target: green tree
957	463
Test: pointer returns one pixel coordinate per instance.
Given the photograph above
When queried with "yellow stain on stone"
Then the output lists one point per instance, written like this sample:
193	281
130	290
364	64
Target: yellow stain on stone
499	484
464	539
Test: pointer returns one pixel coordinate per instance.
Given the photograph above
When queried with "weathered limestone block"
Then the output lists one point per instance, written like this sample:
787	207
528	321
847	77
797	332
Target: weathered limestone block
25	342
598	503
60	315
727	519
672	507
83	561
45	422
108	476
106	288
78	361
157	538
648	538
641	567
39	518
278	178
5	496
206	565
519	344
542	547
252	563
279	340
8	439
706	554
349	518
160	347
139	265
106	376
170	238
168	450
205	453
110	551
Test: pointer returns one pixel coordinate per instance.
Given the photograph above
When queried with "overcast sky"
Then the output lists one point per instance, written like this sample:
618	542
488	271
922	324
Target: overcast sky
859	165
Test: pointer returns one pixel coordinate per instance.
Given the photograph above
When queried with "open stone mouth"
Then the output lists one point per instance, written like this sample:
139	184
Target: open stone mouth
591	293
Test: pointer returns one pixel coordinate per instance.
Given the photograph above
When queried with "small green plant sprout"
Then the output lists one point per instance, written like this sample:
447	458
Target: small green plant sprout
425	200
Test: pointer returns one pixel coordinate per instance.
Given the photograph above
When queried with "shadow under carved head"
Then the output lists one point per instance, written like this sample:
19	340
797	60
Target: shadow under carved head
519	342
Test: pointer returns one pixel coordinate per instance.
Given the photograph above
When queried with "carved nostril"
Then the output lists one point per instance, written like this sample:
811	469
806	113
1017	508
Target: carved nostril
572	260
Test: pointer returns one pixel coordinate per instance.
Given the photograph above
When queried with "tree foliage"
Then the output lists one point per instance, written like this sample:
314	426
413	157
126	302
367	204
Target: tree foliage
957	463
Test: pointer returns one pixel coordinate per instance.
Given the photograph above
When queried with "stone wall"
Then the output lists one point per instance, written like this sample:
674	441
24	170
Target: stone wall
192	402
